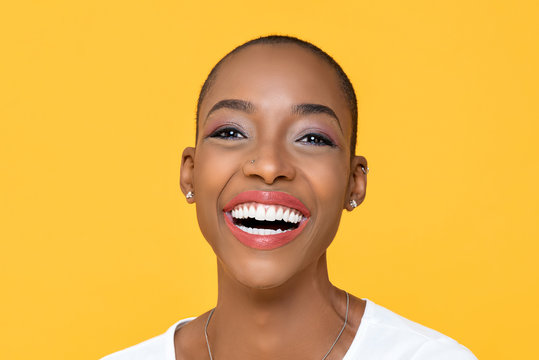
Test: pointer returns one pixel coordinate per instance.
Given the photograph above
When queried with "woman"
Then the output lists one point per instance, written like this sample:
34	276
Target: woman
273	168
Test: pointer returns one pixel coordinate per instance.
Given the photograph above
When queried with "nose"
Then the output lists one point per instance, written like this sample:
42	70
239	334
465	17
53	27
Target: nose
270	163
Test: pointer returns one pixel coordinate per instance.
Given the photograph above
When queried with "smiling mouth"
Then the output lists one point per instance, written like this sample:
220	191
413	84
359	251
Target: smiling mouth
265	220
262	219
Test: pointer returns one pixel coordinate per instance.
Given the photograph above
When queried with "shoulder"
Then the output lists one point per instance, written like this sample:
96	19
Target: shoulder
443	349
160	347
154	348
384	334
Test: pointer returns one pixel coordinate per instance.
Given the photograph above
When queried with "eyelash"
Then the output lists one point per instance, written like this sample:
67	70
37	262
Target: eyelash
228	133
231	133
317	140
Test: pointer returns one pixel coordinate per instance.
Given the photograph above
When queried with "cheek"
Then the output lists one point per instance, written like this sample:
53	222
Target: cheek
213	170
329	182
329	178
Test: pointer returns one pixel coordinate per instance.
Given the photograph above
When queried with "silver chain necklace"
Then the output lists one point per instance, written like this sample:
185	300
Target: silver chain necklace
325	356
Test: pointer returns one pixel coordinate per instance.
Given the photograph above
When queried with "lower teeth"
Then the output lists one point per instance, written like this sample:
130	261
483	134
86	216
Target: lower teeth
256	231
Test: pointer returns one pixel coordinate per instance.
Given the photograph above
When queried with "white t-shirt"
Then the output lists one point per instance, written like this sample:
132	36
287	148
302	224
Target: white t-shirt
382	335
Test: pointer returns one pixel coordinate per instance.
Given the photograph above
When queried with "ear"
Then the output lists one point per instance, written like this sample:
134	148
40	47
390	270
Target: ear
357	184
187	172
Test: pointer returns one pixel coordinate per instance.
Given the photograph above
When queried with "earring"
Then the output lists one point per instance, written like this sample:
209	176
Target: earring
365	170
353	204
189	195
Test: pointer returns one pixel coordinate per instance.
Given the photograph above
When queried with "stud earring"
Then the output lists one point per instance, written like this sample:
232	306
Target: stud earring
353	204
189	195
365	169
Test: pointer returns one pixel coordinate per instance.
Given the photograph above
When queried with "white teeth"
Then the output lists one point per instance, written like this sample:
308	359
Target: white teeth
270	213
252	211
256	231
286	215
279	214
260	213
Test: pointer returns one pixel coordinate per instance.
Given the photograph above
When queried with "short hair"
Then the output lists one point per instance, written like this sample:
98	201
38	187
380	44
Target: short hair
344	82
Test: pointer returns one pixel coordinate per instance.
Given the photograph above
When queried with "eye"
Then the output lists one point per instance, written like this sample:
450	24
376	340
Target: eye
316	139
228	133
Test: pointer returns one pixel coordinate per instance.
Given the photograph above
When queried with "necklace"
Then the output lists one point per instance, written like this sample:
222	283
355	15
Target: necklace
325	356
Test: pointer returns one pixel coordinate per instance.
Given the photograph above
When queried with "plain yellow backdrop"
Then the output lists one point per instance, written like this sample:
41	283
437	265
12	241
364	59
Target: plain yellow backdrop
98	248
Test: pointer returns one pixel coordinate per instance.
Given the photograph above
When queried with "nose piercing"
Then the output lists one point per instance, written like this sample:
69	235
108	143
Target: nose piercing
189	195
252	161
365	170
353	204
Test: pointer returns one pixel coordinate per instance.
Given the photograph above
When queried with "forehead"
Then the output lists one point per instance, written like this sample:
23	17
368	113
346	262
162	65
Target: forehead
273	76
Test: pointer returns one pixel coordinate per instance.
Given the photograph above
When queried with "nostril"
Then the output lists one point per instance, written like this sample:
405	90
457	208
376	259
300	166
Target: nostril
269	167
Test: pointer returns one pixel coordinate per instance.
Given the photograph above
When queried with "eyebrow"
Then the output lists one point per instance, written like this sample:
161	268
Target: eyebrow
307	109
233	104
249	108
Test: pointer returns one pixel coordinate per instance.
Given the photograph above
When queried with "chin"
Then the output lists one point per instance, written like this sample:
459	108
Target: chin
260	274
261	283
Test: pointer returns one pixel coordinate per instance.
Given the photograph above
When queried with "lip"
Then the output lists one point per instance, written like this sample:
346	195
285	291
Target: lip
268	198
266	242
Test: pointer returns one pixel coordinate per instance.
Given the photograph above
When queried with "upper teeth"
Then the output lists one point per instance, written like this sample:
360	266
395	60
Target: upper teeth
263	212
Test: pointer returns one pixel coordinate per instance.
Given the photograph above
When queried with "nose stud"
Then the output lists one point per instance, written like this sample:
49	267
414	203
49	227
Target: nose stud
252	161
189	195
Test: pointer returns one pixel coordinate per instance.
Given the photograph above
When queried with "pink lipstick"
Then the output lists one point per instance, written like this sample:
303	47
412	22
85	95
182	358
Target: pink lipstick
265	220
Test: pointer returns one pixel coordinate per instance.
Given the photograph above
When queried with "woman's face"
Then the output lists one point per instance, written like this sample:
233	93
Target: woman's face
274	137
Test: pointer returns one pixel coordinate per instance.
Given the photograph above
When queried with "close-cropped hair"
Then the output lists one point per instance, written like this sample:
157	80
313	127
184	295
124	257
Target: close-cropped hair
345	84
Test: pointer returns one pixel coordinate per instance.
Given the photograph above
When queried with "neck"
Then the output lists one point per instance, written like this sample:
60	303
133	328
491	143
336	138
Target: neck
299	317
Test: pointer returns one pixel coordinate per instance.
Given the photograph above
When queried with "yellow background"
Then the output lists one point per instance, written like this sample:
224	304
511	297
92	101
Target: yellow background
99	249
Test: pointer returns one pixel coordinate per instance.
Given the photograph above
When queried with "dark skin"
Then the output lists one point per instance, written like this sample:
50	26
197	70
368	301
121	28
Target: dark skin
273	304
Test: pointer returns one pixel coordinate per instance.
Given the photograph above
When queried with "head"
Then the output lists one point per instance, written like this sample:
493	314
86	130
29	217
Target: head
345	84
276	131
